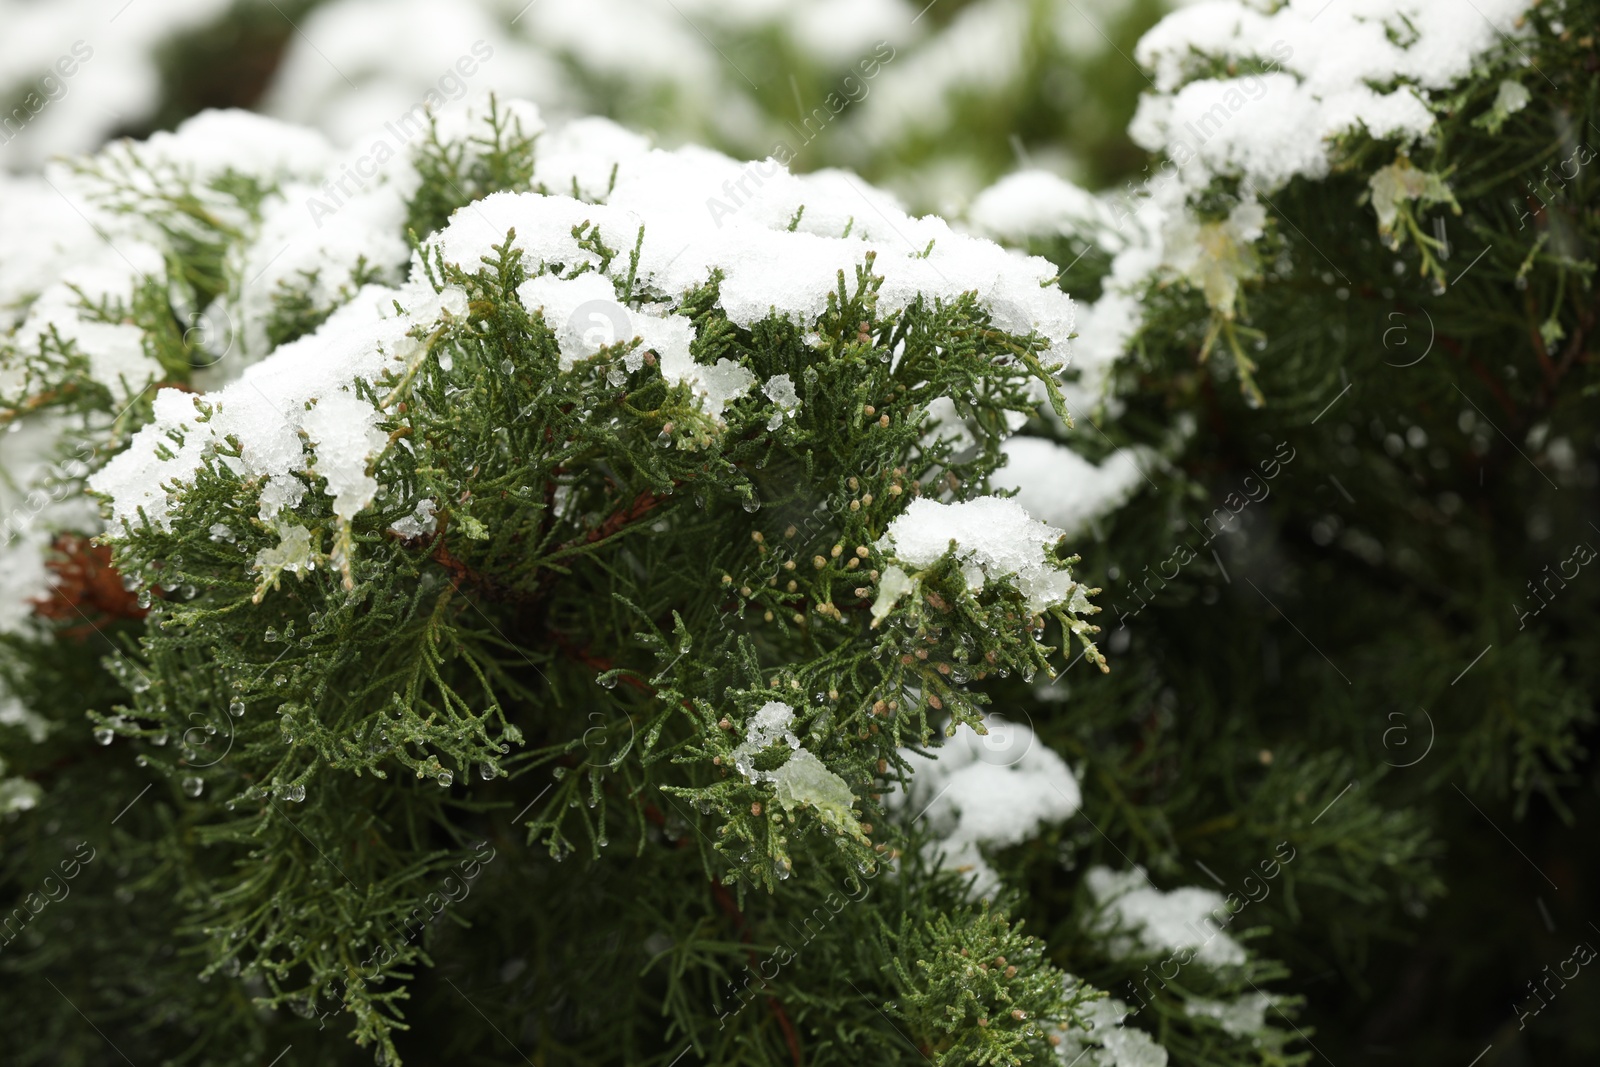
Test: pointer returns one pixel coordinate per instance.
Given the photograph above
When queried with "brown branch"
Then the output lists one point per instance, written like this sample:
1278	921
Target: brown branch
86	585
642	505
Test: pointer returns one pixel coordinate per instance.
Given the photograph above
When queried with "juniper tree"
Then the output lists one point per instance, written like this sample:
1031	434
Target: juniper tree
536	636
701	580
1339	354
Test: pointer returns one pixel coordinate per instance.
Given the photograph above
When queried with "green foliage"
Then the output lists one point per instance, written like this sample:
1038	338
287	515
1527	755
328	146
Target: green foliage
456	172
1378	626
973	989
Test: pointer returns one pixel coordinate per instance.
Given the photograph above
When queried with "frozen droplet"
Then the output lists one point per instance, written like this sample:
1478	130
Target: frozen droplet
558	773
446	360
193	786
506	366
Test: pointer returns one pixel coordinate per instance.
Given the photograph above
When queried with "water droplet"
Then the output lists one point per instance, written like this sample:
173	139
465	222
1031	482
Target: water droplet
506	366
487	771
444	778
607	681
193	786
236	708
103	735
558	773
296	793
750	504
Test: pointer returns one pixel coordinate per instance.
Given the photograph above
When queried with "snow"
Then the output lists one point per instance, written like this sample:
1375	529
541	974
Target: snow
603	322
1062	488
303	389
894	584
342	427
1511	97
357	65
678	68
780	390
1034	205
1112	1043
1215	257
769	725
1242	1017
986	791
1159	922
46	232
273	403
767	269
88	77
995	540
802	780
1311	74
212	143
1330	69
